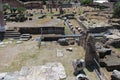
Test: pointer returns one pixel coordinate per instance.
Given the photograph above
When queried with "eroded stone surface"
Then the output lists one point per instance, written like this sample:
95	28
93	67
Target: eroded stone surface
49	71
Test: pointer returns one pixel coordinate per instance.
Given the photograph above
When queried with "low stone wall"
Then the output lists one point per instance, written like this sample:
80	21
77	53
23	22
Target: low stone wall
28	5
14	3
96	29
33	5
41	30
63	6
81	23
102	29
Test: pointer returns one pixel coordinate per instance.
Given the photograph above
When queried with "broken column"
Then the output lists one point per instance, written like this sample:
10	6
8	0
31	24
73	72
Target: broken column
2	27
90	50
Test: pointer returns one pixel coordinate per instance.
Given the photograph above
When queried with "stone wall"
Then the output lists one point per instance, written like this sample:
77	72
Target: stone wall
14	3
91	53
43	30
28	5
63	6
97	29
34	5
103	29
87	41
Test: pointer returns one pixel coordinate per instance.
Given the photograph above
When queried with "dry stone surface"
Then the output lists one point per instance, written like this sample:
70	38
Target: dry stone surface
49	71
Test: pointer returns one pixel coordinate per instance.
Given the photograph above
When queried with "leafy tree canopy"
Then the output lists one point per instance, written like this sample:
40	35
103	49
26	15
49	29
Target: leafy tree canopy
86	2
13	9
21	9
117	10
44	2
5	7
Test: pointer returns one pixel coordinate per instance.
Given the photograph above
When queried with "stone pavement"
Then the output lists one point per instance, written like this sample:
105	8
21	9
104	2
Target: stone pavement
49	71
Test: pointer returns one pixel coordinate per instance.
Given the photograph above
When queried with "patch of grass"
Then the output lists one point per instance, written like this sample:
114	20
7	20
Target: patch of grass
118	49
67	30
20	61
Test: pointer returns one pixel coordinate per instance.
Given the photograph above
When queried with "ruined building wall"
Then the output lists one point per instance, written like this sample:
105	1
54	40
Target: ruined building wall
1	16
2	28
35	5
89	46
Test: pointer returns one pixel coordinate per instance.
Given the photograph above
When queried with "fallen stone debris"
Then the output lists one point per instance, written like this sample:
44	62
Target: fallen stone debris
59	53
115	75
18	42
25	37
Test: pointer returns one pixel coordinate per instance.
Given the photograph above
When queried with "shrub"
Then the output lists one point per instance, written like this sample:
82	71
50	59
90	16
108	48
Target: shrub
86	2
116	12
5	8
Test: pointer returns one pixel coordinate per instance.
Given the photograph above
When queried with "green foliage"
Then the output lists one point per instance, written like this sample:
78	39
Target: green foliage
44	2
117	10
86	2
17	18
59	2
17	14
21	10
13	9
5	8
21	18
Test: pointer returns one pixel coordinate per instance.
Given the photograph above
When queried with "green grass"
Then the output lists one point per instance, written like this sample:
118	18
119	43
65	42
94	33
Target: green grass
118	49
67	30
20	60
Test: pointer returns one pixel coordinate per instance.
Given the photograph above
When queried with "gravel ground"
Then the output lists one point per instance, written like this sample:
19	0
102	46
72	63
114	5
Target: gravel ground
14	56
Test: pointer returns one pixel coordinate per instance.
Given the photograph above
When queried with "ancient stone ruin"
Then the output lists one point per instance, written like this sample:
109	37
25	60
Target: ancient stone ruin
49	71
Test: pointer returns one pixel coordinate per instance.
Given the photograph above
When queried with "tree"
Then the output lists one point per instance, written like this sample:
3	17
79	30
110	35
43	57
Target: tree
60	7
13	9
86	2
5	8
44	2
21	10
51	5
117	10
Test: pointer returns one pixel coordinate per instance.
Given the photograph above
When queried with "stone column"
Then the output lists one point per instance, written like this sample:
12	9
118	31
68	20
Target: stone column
2	27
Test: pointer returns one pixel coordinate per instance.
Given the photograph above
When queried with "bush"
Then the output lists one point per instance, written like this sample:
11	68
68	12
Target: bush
13	9
44	2
5	8
117	10
86	2
21	10
21	18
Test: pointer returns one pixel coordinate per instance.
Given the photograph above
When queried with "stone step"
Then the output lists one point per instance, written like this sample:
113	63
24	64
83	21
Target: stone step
12	37
12	34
